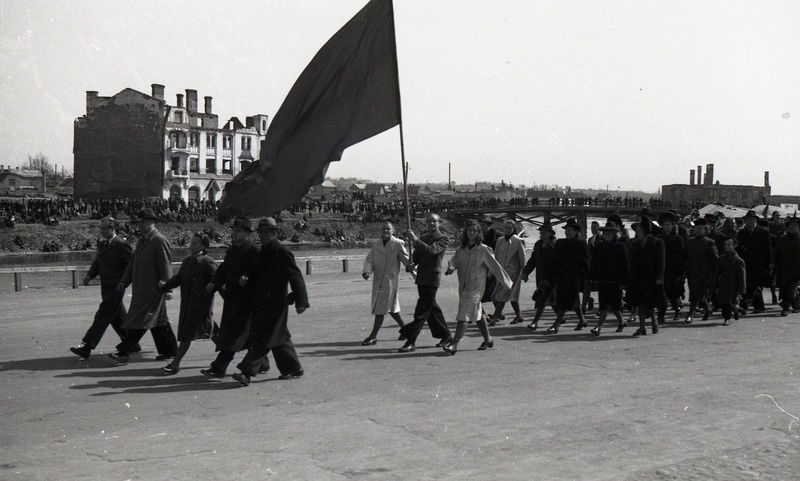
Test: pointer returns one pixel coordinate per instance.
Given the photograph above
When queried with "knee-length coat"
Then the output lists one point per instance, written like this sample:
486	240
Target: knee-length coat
151	263
236	311
730	278
568	272
510	253
472	265
701	260
195	320
646	279
384	261
270	279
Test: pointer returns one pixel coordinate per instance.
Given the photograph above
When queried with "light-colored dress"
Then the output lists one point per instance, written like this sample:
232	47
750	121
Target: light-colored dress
510	253
384	261
472	264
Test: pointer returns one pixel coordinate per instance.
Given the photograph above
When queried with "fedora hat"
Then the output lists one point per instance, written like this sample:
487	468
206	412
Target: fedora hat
242	223
751	213
147	214
573	223
547	226
486	218
668	216
610	226
267	223
615	218
792	220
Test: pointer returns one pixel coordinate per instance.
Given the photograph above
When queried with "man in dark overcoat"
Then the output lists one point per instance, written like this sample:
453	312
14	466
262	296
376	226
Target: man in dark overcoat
729	280
427	257
568	274
646	279
112	258
755	249
609	271
674	265
269	280
151	264
701	261
541	261
234	327
787	264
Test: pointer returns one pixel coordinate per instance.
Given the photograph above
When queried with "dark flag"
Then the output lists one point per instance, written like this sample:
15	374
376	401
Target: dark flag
348	93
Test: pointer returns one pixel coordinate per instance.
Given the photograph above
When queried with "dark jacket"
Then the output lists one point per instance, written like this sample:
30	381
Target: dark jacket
195	320
570	262
730	278
701	259
235	323
674	258
541	260
609	263
111	260
755	249
647	271
270	279
428	256
787	258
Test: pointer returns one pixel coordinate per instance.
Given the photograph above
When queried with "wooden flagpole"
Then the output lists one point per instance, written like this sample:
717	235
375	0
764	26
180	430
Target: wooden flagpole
400	116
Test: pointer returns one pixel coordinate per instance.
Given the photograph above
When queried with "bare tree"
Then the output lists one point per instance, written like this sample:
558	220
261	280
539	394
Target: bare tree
41	163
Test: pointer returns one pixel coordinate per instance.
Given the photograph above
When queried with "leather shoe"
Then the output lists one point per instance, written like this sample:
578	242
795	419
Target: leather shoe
688	320
640	332
553	329
451	349
212	373
517	320
595	331
169	369
444	342
533	326
486	345
164	357
407	347
244	379
119	358
263	369
370	341
292	375
580	326
620	328
136	349
83	351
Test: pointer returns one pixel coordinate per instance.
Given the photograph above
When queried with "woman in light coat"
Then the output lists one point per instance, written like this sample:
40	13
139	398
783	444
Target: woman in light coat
509	250
473	260
384	260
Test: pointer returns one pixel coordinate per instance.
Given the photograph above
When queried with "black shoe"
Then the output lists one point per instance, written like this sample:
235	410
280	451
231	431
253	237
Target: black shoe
553	329
402	337
136	349
517	320
706	315
263	369
244	379
655	329
784	313
169	369
726	322
486	345
595	331
212	373
640	332
292	375
370	341
164	357
444	342
83	352
407	347
121	359
581	326
451	349
759	310
533	326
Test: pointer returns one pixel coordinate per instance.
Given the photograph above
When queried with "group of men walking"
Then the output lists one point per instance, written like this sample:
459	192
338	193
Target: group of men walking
253	280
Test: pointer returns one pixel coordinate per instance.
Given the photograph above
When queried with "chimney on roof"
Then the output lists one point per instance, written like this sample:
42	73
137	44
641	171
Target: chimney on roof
766	179
709	174
208	105
179	100
158	91
691	177
191	101
699	175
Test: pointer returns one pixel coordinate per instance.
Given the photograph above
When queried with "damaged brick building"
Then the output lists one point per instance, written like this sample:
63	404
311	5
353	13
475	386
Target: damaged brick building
137	145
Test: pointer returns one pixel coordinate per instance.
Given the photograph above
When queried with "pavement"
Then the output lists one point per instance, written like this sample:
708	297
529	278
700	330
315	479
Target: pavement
701	401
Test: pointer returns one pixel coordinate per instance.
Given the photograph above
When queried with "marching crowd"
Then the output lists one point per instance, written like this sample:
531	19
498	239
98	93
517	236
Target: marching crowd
646	274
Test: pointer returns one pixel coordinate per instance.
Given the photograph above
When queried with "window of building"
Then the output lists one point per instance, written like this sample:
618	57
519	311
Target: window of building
176	164
178	117
194	194
193	165
194	139
226	142
263	125
211	140
211	166
12	182
226	166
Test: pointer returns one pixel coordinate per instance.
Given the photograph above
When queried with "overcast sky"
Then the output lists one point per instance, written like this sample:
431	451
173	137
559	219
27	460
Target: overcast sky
629	94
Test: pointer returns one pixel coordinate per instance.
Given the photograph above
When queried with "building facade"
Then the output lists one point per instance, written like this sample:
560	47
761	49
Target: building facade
137	145
20	181
705	190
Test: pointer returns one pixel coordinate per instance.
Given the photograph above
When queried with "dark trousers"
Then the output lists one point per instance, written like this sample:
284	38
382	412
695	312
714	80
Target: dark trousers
752	296
111	312
285	358
789	293
427	310
163	336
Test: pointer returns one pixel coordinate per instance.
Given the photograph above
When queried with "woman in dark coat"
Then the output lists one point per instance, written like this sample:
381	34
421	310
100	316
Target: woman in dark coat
195	320
568	274
646	279
541	261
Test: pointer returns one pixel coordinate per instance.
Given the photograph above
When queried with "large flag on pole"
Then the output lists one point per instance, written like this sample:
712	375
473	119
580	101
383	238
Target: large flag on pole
348	93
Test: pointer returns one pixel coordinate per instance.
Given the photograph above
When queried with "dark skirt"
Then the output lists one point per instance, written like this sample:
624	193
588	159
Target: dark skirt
610	296
567	294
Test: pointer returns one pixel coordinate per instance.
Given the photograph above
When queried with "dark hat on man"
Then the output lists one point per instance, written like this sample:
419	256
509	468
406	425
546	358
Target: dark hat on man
267	223
751	213
486	218
242	223
573	223
147	214
667	216
610	226
203	238
615	218
794	219
547	226
646	225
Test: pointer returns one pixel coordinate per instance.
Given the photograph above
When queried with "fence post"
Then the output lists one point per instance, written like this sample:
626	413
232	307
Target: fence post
75	279
344	265
17	282
308	267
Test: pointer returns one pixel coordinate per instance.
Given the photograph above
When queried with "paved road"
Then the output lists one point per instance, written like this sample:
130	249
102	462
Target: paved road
693	402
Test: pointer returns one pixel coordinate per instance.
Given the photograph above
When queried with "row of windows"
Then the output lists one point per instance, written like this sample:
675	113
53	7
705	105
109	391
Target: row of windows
177	140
